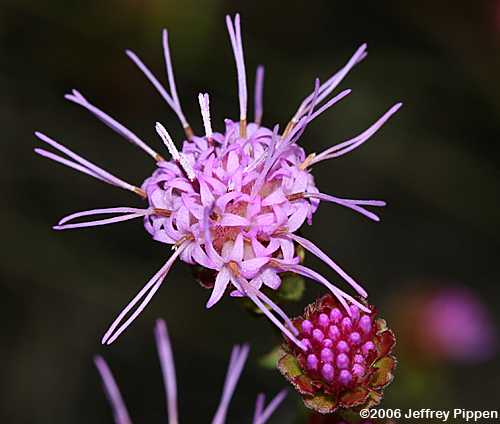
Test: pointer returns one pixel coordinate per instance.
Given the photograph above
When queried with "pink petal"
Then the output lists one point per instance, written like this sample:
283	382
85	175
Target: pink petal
221	282
182	219
274	198
287	248
264	219
202	258
237	251
218	186
207	198
251	266
163	237
271	278
232	162
297	218
223	200
232	220
300	183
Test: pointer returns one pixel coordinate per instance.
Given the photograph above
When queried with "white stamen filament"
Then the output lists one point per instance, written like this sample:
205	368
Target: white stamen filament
205	113
176	155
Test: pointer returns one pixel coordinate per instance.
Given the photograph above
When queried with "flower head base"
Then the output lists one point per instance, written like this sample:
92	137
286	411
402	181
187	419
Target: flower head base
236	364
229	201
348	359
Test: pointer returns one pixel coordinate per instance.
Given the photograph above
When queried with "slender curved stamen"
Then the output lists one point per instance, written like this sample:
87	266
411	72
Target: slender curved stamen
259	94
311	247
346	146
99	222
160	88
204	101
238	358
329	104
239	355
171	83
128	214
92	169
237	45
254	295
112	391
262	416
331	83
70	164
293	132
341	295
259	407
164	348
77	97
349	203
176	155
146	293
277	309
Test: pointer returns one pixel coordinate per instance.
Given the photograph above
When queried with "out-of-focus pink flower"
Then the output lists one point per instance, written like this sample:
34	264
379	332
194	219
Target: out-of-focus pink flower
456	325
449	323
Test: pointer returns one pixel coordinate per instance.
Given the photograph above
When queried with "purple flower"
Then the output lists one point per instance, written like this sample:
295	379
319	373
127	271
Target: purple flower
455	325
236	364
229	201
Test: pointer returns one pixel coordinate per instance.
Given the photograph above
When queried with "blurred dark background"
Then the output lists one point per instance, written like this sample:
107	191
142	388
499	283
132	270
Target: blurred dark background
435	162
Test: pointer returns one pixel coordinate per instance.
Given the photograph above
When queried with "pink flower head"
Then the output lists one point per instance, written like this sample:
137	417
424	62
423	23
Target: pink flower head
236	364
229	201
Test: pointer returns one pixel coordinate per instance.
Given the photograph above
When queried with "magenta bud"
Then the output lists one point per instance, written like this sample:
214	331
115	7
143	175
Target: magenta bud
327	372
365	323
342	346
358	370
318	335
326	355
323	320
368	347
333	332
358	359
307	326
327	343
335	315
345	377
354	312
355	338
312	362
346	324
342	361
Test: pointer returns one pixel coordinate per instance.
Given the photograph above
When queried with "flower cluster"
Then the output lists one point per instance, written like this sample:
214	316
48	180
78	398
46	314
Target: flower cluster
232	201
237	362
347	362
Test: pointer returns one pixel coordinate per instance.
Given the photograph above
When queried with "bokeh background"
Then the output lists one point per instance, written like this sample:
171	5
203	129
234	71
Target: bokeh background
435	162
